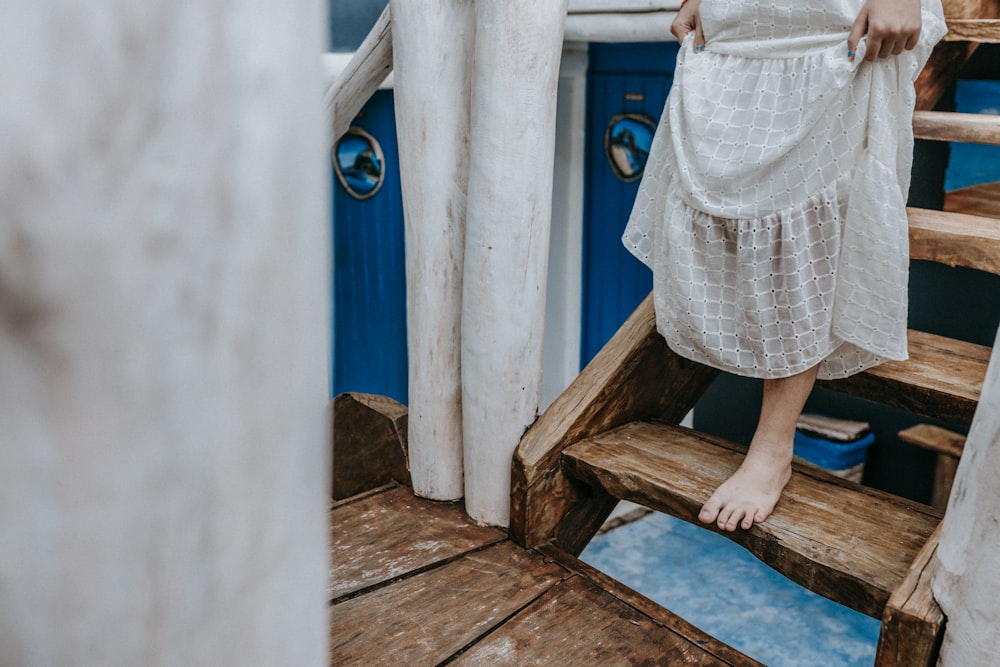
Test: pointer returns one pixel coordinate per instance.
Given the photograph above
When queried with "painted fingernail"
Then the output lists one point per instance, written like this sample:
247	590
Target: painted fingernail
700	47
850	54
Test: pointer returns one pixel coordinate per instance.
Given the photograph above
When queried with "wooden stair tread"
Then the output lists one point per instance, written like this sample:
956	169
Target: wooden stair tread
942	379
577	623
982	199
934	438
973	128
847	542
378	537
477	601
955	239
984	31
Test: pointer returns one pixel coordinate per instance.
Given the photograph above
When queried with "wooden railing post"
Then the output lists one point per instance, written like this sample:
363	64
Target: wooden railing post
518	48
432	40
965	583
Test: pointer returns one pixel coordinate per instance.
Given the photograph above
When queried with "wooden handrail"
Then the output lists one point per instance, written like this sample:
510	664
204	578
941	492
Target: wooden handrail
369	67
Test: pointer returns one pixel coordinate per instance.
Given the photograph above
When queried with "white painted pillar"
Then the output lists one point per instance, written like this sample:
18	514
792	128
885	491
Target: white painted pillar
563	308
163	317
517	50
967	582
432	44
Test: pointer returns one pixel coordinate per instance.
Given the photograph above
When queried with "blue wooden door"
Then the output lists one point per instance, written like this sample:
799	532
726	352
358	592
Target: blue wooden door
369	281
625	80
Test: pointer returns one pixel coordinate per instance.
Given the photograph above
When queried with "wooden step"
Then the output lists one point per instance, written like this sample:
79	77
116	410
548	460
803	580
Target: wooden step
847	542
416	582
934	438
983	31
982	199
942	379
955	239
973	128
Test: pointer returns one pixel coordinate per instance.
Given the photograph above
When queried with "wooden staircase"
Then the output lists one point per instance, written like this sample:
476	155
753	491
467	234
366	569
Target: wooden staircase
613	435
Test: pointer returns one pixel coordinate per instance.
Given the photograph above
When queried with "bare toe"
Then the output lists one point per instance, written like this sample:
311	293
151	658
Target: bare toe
710	510
736	518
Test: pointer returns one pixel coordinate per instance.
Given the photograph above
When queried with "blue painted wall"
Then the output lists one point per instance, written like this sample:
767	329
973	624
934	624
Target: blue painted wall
622	78
369	282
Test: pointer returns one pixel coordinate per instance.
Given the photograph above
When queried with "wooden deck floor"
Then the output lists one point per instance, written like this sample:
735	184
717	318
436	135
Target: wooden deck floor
416	582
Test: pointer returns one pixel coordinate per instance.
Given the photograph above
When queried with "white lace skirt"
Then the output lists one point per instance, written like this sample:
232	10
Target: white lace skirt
772	207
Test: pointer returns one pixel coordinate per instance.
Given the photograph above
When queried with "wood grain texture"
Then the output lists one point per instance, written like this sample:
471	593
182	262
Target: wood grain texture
390	534
847	542
369	443
945	468
635	376
913	623
970	128
577	623
369	67
955	239
982	199
942	379
984	31
427	618
497	604
934	438
432	48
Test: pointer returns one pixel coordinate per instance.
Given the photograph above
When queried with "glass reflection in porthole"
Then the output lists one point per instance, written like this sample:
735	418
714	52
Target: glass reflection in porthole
359	163
626	143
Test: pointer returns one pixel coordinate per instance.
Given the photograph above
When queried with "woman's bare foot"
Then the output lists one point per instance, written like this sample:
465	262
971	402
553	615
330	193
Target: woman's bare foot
750	495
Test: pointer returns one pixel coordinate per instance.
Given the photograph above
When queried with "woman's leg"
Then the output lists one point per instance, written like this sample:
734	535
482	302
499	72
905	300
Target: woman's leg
753	490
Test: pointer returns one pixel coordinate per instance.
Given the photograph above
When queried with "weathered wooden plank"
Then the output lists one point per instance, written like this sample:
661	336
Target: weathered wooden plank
388	535
982	199
603	6
576	623
849	543
372	62
984	31
948	446
942	379
369	443
913	623
934	438
432	43
955	239
621	26
425	619
971	128
723	653
965	582
635	376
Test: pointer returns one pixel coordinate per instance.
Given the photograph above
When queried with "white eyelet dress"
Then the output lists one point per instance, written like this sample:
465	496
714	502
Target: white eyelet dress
772	207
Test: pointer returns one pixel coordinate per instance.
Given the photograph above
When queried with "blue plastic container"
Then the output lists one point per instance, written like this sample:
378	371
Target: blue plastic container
833	455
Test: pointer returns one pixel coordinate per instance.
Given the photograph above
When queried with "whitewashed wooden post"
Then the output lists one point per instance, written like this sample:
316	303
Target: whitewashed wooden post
432	45
967	581
163	316
517	51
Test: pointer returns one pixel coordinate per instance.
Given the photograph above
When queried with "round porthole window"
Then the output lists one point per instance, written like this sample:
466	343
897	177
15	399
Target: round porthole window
359	163
626	143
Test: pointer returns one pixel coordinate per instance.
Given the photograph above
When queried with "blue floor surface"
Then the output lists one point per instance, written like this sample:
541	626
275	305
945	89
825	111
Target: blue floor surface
721	588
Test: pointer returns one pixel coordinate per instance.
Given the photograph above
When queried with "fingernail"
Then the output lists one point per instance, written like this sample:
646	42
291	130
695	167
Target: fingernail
850	54
700	47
